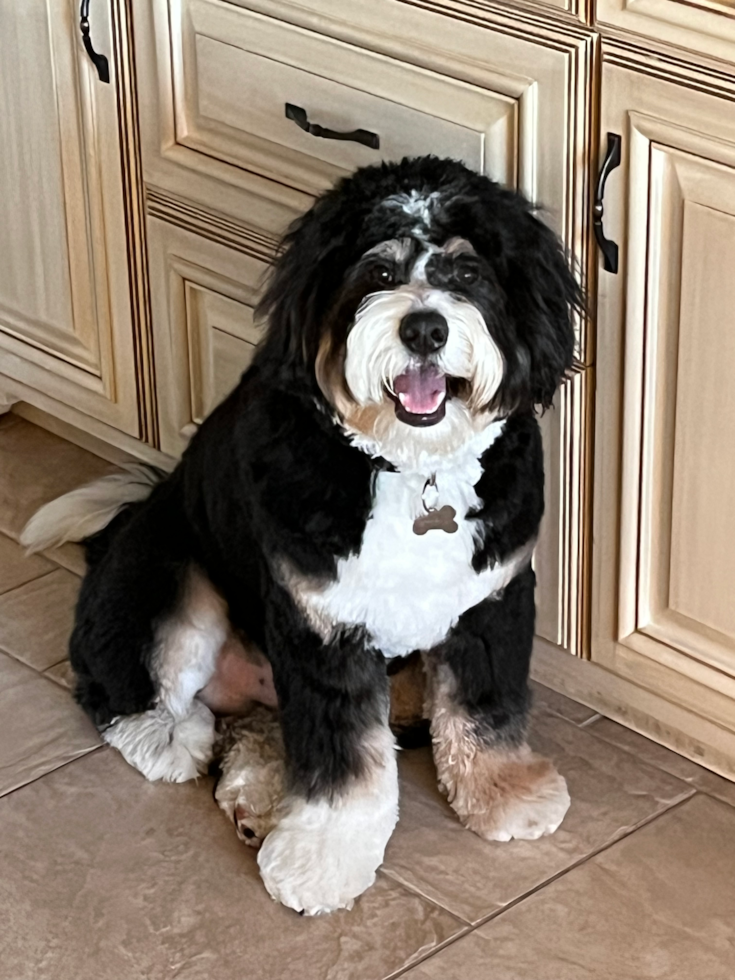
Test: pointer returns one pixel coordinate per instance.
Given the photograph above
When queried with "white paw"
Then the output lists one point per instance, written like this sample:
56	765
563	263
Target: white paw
322	855
162	747
528	802
321	858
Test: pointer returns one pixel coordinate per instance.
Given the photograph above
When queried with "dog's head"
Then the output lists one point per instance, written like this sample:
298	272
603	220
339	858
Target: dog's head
426	301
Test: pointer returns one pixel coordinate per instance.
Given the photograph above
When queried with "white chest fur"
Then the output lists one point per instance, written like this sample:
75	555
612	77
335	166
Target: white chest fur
408	590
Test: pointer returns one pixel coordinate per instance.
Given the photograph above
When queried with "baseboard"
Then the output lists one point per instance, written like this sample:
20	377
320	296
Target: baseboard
116	447
646	712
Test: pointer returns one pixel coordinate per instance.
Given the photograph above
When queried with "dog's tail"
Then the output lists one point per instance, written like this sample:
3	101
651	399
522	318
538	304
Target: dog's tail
89	509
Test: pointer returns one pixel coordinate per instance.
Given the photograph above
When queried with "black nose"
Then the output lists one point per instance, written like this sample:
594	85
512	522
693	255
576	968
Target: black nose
424	332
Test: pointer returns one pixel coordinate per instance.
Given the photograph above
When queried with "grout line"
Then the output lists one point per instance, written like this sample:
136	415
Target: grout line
590	721
427	898
50	772
427	956
40	671
29	582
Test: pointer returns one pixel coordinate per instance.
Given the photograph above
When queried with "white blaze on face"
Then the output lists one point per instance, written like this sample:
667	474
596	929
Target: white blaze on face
376	357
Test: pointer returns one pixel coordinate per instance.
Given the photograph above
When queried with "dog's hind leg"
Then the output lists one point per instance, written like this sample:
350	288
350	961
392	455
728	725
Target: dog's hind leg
173	740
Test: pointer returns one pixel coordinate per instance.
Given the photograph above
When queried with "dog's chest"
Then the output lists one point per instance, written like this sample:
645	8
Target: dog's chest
409	589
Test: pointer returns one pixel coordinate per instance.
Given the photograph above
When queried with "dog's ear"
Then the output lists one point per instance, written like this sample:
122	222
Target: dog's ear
302	282
543	297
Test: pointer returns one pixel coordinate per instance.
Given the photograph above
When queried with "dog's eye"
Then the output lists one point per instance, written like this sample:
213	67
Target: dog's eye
385	275
467	274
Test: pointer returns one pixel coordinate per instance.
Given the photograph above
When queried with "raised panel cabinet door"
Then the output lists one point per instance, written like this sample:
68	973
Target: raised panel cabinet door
664	565
203	296
66	325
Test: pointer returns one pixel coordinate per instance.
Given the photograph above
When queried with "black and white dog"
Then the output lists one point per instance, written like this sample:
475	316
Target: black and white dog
372	487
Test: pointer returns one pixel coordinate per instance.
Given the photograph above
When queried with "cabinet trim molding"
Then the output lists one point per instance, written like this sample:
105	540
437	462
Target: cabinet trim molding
659	62
215	227
134	204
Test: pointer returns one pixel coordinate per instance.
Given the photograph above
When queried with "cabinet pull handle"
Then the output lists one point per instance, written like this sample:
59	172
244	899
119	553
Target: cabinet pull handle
98	60
608	247
363	136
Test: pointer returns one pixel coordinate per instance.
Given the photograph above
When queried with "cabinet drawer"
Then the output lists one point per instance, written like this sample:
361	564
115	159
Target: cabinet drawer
235	71
704	26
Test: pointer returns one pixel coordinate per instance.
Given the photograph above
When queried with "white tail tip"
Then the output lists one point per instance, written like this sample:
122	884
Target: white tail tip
84	512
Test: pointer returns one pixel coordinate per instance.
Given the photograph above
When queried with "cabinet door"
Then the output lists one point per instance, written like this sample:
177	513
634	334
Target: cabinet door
203	296
66	327
664	566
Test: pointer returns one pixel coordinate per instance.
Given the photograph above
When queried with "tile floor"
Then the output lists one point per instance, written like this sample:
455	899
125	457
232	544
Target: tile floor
106	877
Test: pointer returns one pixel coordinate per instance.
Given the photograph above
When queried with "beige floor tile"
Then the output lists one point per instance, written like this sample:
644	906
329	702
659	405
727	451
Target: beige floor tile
16	568
659	905
62	674
611	792
37	466
36	619
40	727
69	556
558	704
656	755
107	877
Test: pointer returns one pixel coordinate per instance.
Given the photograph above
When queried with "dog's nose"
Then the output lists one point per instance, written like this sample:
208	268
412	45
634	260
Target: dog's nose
423	332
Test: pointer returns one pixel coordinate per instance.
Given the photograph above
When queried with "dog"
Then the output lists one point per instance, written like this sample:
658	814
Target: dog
371	488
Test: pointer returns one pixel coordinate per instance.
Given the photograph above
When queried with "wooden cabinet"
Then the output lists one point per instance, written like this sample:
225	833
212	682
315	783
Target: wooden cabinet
137	220
69	324
663	612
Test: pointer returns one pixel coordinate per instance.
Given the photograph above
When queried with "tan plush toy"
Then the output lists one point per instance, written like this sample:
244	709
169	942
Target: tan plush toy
251	756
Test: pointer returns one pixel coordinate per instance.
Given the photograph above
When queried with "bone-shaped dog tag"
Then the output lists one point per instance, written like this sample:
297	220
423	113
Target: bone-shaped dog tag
437	520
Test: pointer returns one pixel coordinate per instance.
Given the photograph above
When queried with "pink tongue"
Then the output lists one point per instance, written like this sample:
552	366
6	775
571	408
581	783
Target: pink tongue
421	390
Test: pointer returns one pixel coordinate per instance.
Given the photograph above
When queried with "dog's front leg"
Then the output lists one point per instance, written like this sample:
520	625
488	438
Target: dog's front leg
342	801
478	702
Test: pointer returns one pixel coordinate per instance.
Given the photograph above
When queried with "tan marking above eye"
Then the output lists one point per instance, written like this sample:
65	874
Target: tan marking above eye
458	246
397	249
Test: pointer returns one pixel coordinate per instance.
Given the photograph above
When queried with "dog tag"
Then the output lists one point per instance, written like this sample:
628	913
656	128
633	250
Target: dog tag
437	520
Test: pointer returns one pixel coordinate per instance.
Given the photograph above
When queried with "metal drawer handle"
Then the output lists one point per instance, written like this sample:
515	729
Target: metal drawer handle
98	60
356	136
612	160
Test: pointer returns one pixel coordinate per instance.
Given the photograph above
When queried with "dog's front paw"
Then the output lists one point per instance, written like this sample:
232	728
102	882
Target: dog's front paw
516	795
321	858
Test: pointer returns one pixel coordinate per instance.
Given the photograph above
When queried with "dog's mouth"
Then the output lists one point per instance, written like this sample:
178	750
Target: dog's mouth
420	395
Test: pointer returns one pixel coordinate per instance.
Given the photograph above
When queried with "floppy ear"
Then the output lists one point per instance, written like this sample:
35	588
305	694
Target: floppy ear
543	297
304	278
